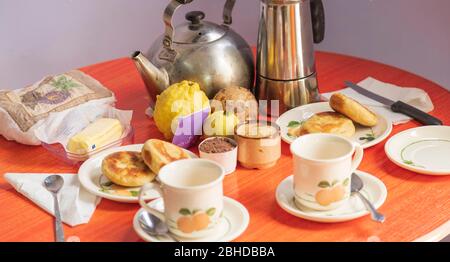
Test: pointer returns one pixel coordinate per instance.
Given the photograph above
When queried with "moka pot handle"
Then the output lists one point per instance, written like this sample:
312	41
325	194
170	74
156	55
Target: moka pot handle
318	20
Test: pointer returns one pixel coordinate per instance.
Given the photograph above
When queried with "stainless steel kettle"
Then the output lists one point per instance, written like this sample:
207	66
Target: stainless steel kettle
212	55
285	62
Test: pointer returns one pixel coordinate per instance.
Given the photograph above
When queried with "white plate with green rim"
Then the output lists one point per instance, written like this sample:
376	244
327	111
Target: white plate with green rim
91	178
365	136
425	150
374	190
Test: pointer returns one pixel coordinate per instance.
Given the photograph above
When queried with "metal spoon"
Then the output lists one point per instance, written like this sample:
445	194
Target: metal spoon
357	185
53	184
154	226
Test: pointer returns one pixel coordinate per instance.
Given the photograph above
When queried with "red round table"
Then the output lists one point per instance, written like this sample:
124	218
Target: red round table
417	206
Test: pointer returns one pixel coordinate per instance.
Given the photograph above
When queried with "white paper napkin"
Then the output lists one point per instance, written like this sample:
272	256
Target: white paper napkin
410	95
75	203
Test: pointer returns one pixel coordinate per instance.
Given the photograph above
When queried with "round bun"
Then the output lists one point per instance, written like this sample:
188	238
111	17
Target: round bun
238	100
127	169
353	110
329	122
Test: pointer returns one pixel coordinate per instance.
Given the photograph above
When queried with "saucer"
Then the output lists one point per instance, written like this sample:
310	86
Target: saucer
233	223
374	190
365	136
92	179
424	150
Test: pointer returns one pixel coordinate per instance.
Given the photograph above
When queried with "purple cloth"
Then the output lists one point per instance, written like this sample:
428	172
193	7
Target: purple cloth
189	128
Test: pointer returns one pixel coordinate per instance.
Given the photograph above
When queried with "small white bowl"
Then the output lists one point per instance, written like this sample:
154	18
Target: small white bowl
228	160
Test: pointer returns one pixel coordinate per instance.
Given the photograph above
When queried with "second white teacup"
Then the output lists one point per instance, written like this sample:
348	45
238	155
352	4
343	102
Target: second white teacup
192	191
323	166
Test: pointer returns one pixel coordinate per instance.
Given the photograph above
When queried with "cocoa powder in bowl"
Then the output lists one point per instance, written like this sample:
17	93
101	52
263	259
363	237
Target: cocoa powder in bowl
217	145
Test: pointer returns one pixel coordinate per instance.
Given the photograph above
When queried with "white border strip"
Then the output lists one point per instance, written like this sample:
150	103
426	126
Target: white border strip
437	234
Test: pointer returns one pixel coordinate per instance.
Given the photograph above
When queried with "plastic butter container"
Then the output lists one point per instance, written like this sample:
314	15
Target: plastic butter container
59	151
56	138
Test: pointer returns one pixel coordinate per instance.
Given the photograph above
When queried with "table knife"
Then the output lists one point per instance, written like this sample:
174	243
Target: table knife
398	107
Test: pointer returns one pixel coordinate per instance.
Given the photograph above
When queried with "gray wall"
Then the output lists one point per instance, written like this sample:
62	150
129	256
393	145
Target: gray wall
39	37
411	34
50	36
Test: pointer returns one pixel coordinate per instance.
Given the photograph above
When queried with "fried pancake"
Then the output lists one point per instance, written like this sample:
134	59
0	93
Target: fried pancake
353	110
127	169
329	122
157	153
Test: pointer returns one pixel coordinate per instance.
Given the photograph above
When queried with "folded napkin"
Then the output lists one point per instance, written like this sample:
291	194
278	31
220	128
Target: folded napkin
75	203
412	96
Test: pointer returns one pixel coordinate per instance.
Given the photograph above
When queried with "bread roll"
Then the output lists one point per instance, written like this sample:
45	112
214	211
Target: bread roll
353	110
157	153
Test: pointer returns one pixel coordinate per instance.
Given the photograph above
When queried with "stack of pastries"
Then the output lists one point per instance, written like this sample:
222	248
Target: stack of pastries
133	169
341	122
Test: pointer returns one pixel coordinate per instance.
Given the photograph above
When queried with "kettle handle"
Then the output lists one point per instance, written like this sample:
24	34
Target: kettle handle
168	52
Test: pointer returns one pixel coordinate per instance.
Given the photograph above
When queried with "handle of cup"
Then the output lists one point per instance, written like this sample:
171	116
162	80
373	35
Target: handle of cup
144	205
357	158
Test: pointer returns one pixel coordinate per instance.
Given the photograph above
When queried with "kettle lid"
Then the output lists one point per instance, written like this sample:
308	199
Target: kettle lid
197	30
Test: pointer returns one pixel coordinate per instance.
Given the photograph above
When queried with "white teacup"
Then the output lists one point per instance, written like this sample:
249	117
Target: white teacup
323	166
192	191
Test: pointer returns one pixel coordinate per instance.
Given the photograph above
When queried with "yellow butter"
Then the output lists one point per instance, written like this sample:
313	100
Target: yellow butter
97	134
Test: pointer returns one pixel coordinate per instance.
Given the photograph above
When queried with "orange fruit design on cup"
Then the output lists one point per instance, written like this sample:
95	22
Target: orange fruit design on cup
331	192
201	221
185	224
195	220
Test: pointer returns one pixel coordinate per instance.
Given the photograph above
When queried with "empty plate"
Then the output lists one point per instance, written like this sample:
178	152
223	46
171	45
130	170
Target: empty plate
424	150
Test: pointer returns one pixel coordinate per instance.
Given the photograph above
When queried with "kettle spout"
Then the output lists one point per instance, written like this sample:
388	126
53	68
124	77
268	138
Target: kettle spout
155	80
